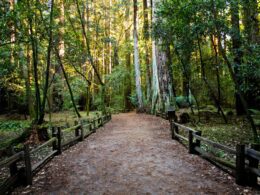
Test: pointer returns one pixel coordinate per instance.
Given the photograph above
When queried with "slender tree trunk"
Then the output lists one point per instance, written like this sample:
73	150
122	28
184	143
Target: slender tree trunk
147	53
27	76
47	71
187	76
236	43
250	21
217	103
13	37
34	44
155	80
216	54
251	51
127	92
90	57
136	61
67	81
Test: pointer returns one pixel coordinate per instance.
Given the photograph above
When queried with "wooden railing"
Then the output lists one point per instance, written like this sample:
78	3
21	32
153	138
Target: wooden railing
243	163
244	167
15	173
23	174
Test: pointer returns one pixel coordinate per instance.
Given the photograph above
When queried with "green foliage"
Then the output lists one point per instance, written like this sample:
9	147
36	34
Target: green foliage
115	83
133	99
78	87
10	130
13	125
184	101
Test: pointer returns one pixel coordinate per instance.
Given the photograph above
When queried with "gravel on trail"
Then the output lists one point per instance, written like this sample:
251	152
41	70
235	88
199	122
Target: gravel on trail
132	154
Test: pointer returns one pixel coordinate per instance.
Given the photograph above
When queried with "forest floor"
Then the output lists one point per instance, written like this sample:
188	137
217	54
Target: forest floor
13	125
133	154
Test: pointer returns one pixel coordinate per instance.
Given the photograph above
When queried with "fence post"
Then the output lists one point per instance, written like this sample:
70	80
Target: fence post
90	126
28	166
93	124
240	164
191	144
76	130
172	129
252	178
98	120
59	147
197	143
13	167
81	131
54	134
176	131
101	121
171	115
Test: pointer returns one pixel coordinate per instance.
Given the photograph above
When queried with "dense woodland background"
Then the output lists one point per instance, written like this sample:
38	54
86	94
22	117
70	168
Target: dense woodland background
199	56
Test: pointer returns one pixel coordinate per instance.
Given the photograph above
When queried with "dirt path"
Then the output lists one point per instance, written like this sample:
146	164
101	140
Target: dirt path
133	154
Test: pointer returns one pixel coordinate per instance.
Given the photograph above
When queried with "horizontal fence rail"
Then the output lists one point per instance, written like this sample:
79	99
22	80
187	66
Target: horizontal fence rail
24	174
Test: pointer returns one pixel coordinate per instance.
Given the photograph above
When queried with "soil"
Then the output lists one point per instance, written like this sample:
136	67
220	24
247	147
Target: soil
132	154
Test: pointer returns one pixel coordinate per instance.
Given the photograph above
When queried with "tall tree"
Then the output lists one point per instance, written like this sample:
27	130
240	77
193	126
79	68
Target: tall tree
155	80
136	60
146	36
127	90
237	51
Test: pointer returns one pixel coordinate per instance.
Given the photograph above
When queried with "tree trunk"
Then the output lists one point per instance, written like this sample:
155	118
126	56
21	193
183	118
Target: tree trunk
136	62
67	81
216	54
161	74
236	43
47	71
155	80
34	44
147	53
217	103
27	75
165	83
251	52
127	90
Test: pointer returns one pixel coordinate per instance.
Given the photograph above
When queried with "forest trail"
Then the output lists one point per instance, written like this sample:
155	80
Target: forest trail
133	154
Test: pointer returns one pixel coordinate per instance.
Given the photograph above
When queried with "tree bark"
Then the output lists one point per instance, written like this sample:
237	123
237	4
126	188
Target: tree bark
47	71
127	90
236	43
136	61
165	84
34	44
147	52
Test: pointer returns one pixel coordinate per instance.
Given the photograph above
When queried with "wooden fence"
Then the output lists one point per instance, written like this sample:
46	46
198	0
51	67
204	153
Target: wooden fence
245	167
21	166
